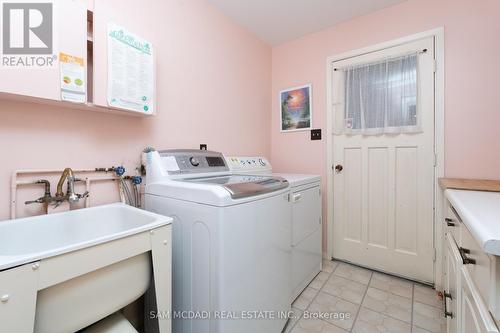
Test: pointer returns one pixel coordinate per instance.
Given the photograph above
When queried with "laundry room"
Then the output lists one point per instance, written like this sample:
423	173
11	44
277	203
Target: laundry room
221	166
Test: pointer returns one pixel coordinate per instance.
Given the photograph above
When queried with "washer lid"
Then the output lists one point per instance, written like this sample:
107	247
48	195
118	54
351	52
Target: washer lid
242	186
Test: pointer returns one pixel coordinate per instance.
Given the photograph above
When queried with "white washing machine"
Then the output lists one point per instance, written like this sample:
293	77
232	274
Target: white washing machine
231	242
305	198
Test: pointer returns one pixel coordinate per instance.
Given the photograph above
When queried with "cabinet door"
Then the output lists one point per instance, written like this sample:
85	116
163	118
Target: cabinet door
474	316
481	268
69	36
18	290
452	279
105	12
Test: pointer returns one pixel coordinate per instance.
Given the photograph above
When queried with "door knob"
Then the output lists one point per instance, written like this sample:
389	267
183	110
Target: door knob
339	168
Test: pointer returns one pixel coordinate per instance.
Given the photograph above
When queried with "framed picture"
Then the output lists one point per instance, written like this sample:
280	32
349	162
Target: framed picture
296	109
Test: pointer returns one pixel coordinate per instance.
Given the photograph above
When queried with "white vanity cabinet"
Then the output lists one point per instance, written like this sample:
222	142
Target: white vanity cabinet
451	283
473	316
470	277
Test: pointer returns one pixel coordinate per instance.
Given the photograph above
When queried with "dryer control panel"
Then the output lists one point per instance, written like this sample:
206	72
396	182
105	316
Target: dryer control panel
248	164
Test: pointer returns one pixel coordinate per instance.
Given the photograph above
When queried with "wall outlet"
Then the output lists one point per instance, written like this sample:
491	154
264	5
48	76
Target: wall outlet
316	134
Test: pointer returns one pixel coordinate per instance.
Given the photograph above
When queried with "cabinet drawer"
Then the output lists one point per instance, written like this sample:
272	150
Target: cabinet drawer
480	269
453	224
475	316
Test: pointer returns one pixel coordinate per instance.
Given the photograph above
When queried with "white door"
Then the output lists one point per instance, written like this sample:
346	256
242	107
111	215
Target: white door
384	184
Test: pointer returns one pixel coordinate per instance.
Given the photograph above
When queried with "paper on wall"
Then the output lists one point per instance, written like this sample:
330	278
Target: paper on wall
73	85
131	77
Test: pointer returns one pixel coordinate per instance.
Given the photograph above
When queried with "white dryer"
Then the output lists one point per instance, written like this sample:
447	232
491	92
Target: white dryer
231	242
305	198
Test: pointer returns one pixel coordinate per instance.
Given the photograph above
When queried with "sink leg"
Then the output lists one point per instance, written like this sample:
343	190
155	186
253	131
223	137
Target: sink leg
161	250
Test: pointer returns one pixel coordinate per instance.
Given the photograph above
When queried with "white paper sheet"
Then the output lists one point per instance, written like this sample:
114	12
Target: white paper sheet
72	72
131	77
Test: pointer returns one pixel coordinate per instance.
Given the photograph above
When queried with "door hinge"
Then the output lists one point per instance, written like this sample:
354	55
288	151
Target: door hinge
434	255
435	160
320	192
434	65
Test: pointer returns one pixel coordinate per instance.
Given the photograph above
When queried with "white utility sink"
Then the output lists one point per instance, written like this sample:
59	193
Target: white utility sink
33	238
63	272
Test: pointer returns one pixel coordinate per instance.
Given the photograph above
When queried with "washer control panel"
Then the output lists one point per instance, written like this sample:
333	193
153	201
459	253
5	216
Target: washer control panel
175	161
248	164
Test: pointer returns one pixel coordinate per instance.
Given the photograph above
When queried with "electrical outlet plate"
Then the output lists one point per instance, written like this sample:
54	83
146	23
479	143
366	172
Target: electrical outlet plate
316	134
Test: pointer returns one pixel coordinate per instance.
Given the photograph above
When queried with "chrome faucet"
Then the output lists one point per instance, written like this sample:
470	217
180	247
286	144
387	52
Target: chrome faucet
60	197
71	196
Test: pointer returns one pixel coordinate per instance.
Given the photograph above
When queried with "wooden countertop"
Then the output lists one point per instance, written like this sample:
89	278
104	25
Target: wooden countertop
470	184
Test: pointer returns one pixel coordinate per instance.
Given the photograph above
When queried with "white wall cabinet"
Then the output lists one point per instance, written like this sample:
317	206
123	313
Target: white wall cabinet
80	30
105	12
469	281
70	37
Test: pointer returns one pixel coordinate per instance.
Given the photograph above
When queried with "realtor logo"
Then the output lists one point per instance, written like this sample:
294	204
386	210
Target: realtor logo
27	34
27	28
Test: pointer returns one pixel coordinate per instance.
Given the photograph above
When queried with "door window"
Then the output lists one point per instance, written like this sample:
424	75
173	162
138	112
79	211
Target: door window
379	97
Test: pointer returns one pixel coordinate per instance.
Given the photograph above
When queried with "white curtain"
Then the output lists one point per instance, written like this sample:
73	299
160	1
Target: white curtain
378	98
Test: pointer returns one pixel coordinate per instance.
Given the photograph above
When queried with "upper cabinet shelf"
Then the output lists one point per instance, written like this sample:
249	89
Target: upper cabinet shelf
77	77
87	107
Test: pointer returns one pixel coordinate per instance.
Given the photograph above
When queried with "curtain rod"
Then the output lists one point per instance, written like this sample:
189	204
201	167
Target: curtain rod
418	52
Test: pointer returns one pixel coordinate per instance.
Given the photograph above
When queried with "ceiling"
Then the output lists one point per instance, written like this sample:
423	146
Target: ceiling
278	21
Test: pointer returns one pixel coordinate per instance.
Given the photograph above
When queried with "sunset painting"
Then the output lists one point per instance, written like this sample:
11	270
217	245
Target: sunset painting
295	105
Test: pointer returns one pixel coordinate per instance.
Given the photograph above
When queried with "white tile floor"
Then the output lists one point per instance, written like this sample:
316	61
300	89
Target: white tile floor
359	300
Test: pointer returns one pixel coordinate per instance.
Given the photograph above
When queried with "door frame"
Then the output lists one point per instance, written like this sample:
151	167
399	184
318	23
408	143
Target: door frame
438	34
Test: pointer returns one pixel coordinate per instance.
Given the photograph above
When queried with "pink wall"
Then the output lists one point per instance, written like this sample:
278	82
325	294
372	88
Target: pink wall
472	69
214	85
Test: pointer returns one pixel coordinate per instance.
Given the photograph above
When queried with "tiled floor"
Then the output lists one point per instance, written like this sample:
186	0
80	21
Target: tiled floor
346	298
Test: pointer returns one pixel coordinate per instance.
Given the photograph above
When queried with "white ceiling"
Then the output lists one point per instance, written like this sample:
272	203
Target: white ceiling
278	21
